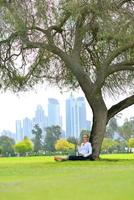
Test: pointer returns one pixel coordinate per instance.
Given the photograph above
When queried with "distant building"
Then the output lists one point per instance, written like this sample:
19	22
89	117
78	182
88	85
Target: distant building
27	127
81	115
70	117
63	134
88	125
75	116
53	112
40	118
19	130
24	127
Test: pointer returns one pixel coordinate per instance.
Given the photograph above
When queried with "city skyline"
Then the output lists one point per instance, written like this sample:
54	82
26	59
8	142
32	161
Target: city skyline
14	106
77	119
49	114
53	118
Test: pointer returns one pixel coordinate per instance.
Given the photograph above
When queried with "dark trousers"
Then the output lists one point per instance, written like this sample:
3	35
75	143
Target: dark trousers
73	157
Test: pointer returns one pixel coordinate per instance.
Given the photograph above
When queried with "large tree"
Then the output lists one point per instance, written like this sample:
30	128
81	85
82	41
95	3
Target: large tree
112	128
86	43
6	146
126	131
37	140
53	133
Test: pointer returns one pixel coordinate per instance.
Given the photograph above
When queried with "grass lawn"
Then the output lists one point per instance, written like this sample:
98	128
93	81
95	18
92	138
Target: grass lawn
40	178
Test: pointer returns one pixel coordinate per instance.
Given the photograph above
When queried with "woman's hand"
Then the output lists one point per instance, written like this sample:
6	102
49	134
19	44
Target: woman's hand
78	143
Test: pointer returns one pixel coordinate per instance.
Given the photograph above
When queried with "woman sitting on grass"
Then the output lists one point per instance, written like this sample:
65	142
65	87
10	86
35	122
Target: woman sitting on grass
84	151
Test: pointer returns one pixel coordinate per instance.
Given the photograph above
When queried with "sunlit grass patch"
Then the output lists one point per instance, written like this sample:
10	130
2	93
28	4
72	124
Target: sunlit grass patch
31	178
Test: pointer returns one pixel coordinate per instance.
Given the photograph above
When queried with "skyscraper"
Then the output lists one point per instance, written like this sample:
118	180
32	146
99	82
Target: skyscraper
71	126
19	130
75	116
27	127
53	112
40	117
80	115
88	125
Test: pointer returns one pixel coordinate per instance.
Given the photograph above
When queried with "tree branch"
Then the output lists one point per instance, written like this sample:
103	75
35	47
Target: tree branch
120	106
11	37
78	35
123	66
120	3
57	28
117	52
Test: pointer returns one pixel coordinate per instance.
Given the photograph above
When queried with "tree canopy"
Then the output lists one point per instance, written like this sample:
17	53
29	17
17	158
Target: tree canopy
37	36
131	143
86	43
127	129
64	145
112	128
24	146
37	140
53	134
6	146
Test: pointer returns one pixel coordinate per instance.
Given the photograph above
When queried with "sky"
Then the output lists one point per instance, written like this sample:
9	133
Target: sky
18	106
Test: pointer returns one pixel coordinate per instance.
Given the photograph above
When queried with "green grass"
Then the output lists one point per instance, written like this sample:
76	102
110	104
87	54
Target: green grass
40	178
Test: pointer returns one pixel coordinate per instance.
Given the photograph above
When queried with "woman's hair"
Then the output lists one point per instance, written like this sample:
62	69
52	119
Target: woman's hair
86	135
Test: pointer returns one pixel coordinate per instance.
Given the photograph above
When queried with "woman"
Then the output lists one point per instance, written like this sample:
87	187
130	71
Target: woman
84	151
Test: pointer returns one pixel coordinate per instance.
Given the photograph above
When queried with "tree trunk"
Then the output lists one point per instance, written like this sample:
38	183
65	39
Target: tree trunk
99	126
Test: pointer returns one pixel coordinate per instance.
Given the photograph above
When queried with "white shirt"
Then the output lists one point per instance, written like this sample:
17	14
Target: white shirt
85	149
